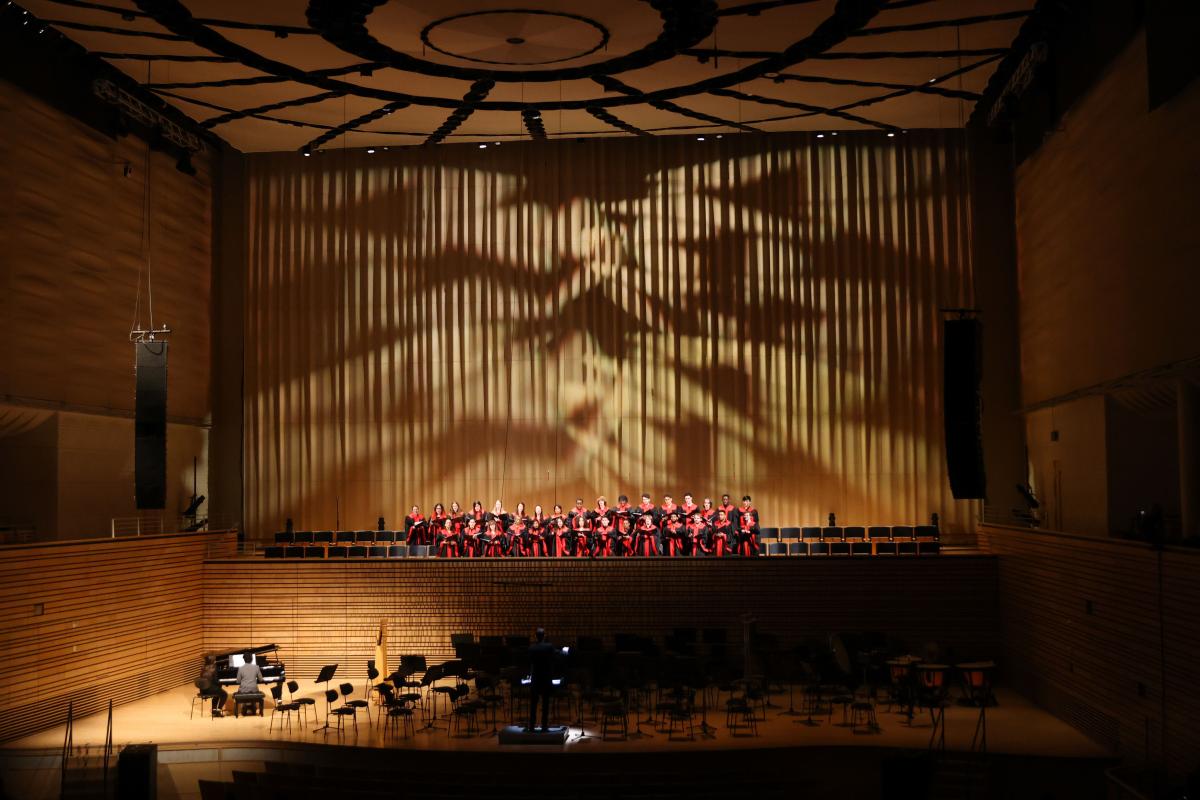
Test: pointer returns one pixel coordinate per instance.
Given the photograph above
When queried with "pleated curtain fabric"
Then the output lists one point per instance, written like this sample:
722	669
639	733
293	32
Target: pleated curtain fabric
543	321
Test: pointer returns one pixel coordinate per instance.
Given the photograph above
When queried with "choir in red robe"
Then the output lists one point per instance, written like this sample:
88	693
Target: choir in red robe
603	531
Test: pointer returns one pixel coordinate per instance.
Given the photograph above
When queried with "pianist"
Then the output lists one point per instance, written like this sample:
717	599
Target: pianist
209	686
249	676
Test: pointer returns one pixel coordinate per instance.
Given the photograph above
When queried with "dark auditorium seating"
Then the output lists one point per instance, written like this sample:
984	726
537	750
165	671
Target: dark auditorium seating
385	537
818	548
789	533
838	547
860	548
273	551
357	551
798	548
418	551
885	548
929	548
926	532
810	533
364	537
336	551
397	551
344	537
293	551
285	537
314	551
831	533
304	537
323	537
378	551
878	532
777	548
906	547
765	534
902	532
855	532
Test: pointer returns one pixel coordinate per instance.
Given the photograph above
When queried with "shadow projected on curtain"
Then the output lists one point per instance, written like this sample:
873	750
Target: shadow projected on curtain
618	317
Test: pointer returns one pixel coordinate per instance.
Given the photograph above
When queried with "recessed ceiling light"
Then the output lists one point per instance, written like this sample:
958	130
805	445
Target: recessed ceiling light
891	134
699	138
719	135
833	134
372	149
483	147
933	80
820	136
496	143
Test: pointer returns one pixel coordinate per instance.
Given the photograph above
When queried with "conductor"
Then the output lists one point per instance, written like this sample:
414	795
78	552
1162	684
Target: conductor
541	674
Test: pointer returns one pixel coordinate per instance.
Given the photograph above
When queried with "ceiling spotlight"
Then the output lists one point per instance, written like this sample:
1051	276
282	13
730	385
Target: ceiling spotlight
699	138
833	134
933	80
820	136
307	154
370	150
306	150
483	147
496	143
891	134
719	135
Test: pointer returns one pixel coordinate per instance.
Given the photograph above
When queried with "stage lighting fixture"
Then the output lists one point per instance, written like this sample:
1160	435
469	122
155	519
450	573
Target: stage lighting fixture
820	136
891	134
370	150
483	147
699	138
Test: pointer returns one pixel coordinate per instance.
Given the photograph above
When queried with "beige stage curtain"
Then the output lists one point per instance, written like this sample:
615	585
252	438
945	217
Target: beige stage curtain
536	322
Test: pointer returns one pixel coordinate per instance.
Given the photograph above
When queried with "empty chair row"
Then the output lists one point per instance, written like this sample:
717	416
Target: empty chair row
890	533
347	551
339	537
860	547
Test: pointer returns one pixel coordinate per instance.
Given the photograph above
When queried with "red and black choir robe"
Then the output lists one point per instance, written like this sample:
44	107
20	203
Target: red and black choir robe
493	542
581	536
730	511
472	543
536	538
709	515
687	509
602	539
516	538
447	543
672	534
722	531
416	529
747	532
646	541
697	533
557	541
624	534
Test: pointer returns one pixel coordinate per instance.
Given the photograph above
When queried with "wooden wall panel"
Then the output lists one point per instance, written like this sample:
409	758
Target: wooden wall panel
87	622
539	322
322	612
1086	637
1107	238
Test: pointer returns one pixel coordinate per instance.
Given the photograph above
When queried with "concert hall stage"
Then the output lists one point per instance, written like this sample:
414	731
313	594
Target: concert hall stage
1018	734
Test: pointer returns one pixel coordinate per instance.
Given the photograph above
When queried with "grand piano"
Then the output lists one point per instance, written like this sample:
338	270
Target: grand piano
266	656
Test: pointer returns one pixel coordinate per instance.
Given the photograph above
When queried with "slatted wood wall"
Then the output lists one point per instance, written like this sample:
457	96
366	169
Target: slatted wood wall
1083	637
329	611
90	621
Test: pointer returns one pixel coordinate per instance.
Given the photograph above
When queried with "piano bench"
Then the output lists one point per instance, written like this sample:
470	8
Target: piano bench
251	700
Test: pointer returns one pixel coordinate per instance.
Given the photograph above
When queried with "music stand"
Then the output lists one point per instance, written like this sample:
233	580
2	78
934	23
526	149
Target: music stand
325	676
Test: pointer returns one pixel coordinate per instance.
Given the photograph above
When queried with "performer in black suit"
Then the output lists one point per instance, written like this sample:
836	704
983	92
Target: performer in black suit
541	673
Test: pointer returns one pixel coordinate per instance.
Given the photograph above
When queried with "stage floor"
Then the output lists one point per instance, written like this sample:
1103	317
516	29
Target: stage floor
1015	726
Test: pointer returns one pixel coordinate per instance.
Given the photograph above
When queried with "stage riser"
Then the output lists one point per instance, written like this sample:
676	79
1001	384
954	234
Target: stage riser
329	612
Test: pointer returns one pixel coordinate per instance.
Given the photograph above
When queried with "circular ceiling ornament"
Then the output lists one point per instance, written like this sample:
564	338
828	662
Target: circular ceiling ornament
343	23
515	37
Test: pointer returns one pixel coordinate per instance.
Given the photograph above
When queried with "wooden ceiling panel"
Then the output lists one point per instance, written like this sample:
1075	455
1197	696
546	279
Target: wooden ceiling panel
466	70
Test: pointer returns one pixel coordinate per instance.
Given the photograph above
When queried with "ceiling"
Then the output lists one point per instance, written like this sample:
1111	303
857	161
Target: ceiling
278	75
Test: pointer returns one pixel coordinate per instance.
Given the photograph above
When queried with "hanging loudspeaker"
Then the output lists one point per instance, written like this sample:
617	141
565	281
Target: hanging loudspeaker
150	426
962	370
